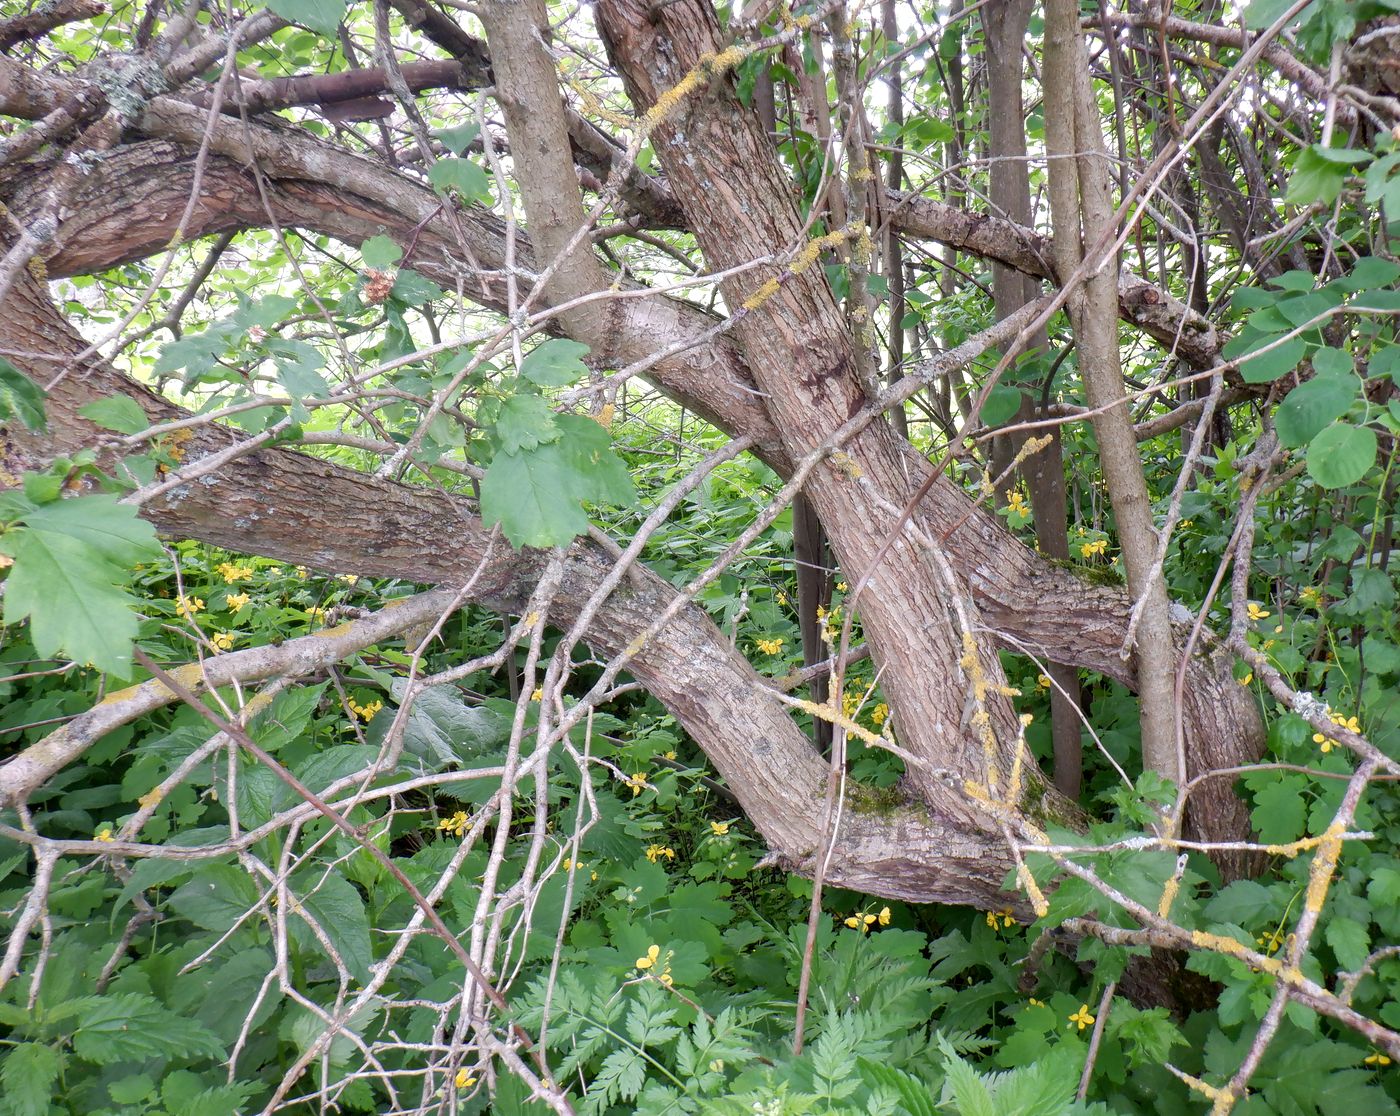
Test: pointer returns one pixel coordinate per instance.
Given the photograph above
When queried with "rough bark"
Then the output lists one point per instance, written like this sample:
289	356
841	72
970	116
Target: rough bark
128	207
315	513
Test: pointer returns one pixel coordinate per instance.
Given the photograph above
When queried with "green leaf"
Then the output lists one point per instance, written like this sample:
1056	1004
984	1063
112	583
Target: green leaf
1003	401
458	139
1279	812
117	412
132	1090
1269	366
913	1094
1341	455
336	906
529	495
524	422
1371	272
555	363
319	15
21	398
380	252
133	1027
68	593
1264	13
1319	173
1311	406
461	175
217	897
413	289
1350	941
28	1075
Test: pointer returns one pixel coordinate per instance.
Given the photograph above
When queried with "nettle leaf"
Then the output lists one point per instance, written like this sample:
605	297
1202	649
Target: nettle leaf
1341	455
21	398
117	412
69	575
217	897
461	175
458	139
380	251
524	422
557	362
1311	406
28	1074
535	495
133	1027
323	16
339	911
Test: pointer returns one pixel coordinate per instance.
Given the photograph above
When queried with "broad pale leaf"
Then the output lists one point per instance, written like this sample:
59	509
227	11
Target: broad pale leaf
323	16
380	251
555	363
461	175
117	412
114	531
1341	455
1311	406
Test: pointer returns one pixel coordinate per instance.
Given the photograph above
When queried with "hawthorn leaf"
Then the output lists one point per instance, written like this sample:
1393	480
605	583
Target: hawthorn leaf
524	422
380	251
557	362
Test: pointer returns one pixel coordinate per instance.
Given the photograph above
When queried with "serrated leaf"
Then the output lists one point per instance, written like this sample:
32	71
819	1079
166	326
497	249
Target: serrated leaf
113	530
21	398
66	590
461	175
557	362
524	422
323	16
1279	812
1269	366
535	495
339	910
458	139
1341	455
380	251
1350	941
217	897
413	289
133	1027
117	412
913	1094
28	1074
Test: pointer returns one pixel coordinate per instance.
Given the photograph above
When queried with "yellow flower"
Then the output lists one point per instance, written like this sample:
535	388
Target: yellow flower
1377	1059
316	613
879	714
234	602
719	829
1185	523
1082	1017
1311	596
1270	942
842	587
301	573
456	824
770	646
861	921
187	606
350	579
884	916
781	597
1001	918
1042	682
669	755
464	1080
653	952
231	572
105	835
1033	1002
537	694
1089	549
367	711
1258	613
637	782
850	700
656	852
1247	679
222	641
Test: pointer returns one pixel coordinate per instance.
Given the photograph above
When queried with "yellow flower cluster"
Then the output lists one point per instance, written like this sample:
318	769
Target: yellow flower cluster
863	921
222	641
316	613
1376	1059
456	824
366	711
1090	549
1001	918
232	572
770	646
880	714
570	864
1017	503
104	835
647	964
1311	596
1271	941
188	606
656	852
1337	719
234	602
719	829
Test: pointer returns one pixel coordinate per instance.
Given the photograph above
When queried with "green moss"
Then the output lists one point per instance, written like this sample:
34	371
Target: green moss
1094	575
866	798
